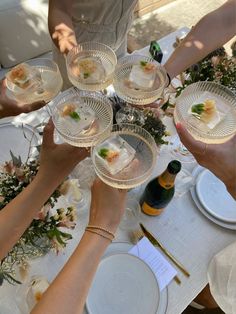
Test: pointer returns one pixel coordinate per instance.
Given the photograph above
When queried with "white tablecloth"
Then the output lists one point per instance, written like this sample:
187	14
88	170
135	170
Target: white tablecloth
182	229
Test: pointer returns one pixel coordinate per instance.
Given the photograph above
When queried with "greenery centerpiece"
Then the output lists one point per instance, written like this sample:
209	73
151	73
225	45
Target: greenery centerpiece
44	233
218	67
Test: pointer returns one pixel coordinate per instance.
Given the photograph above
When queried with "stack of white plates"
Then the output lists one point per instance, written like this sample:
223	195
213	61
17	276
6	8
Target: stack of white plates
213	199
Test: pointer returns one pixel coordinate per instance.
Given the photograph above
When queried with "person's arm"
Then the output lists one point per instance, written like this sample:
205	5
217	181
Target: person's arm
10	107
218	158
210	33
68	292
60	24
55	165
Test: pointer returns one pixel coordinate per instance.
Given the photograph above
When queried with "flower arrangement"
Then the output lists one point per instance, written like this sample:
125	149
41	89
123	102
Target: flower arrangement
44	232
217	66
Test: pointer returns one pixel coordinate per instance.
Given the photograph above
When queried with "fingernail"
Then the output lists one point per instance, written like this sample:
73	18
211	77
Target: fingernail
178	125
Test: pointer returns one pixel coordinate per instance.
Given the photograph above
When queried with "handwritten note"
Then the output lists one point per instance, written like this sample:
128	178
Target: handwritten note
163	270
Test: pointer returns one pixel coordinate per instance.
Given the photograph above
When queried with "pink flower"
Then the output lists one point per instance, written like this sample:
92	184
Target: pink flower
67	224
20	174
58	247
215	60
43	212
9	167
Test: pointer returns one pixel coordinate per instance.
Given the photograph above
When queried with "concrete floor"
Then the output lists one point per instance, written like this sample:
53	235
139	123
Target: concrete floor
169	18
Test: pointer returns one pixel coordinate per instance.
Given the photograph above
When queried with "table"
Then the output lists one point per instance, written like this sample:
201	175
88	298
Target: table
183	230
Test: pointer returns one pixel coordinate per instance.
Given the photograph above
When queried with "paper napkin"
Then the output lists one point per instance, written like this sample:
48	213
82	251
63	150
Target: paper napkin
162	269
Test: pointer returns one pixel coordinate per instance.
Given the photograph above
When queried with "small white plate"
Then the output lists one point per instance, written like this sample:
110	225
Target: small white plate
123	284
124	247
215	198
18	139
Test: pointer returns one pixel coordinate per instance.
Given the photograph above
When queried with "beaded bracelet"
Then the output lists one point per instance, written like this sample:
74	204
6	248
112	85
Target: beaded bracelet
98	233
102	229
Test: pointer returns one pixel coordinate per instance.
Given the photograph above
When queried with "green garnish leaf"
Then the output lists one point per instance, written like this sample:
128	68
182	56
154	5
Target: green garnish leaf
103	152
86	75
198	109
74	115
143	63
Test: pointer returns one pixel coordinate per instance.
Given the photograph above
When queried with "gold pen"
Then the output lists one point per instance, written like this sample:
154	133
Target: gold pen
157	243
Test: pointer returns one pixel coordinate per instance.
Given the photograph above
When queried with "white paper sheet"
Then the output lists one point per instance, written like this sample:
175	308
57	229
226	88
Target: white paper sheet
163	270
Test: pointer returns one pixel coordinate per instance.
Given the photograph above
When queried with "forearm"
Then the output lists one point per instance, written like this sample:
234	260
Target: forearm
68	292
16	216
59	13
210	33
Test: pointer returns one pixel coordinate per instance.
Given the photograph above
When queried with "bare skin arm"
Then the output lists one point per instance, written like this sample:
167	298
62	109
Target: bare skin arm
210	33
60	25
55	165
68	292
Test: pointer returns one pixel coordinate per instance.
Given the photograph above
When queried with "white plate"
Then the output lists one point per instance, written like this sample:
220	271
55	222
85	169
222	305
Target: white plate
215	198
123	284
124	247
201	208
17	139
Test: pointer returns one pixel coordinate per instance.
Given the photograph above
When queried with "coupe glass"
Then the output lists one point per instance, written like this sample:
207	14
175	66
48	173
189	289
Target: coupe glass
96	103
135	95
225	101
141	166
48	85
226	106
104	59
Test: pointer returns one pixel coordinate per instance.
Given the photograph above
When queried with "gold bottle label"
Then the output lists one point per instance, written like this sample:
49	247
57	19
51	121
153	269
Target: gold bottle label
150	210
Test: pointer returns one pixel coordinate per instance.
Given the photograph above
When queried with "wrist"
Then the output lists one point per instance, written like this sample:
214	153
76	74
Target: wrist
51	180
96	239
105	224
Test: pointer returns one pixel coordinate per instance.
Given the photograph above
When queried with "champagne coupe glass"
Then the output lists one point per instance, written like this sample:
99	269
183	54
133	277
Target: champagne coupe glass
220	128
42	81
90	119
134	88
91	66
131	139
128	82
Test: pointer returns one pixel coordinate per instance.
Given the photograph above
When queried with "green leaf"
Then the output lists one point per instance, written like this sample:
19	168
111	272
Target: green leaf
10	279
198	109
74	115
167	105
103	152
16	161
143	63
86	75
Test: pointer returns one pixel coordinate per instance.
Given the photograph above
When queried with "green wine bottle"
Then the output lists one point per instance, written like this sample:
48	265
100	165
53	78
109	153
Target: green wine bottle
159	191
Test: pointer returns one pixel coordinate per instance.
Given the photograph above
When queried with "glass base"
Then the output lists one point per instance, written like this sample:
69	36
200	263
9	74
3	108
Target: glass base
179	151
129	114
130	219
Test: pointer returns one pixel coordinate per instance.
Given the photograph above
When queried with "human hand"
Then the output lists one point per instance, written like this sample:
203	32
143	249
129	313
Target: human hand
64	37
218	158
107	206
57	161
10	107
